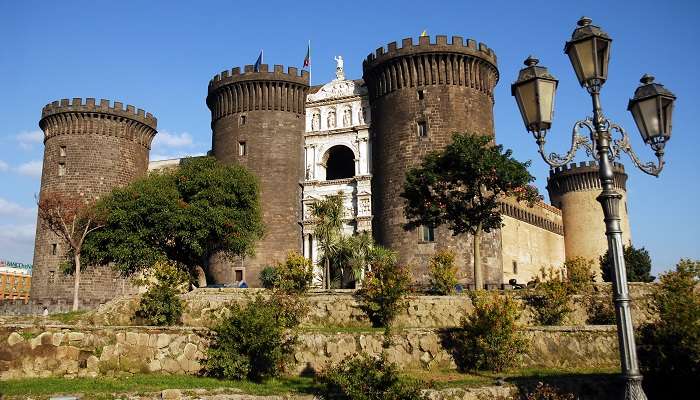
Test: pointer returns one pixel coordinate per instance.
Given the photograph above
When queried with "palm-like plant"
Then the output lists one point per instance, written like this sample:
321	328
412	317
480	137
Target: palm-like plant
328	219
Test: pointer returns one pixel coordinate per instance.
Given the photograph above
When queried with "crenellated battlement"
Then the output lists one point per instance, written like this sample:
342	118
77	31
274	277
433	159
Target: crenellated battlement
293	74
89	105
439	44
581	176
439	62
237	91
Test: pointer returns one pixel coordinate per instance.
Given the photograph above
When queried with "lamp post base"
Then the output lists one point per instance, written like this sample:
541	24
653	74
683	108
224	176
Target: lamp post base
633	388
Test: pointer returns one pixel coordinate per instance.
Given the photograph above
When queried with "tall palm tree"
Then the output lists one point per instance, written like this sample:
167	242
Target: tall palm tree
328	218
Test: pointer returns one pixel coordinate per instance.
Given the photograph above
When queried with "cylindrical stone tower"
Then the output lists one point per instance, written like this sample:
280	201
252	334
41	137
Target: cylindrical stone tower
574	189
89	149
420	96
258	122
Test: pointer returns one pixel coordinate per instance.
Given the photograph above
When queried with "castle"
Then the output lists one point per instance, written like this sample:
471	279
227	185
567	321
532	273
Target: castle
358	137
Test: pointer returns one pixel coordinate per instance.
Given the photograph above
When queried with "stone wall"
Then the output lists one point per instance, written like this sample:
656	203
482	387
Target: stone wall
69	351
205	306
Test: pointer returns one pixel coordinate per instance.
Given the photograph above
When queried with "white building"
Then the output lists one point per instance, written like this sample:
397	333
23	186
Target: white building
337	155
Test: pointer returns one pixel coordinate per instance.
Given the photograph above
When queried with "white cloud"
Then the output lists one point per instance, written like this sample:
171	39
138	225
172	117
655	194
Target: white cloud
8	208
17	242
30	168
165	139
28	139
3	166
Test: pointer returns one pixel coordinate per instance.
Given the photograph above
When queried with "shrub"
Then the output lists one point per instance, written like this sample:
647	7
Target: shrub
637	264
367	378
546	392
490	338
549	301
669	349
294	275
269	277
160	304
443	273
579	273
251	343
384	287
599	307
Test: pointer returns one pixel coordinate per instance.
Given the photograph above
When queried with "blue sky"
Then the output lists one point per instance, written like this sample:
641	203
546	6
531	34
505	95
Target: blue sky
160	55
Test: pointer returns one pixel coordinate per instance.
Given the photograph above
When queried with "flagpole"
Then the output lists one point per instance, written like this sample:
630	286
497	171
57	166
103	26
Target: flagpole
309	61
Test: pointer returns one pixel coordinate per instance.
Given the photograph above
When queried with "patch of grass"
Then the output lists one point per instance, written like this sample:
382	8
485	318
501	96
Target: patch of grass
143	383
28	335
70	317
340	329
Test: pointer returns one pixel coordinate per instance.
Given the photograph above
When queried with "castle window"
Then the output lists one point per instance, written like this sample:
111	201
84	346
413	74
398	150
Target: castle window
242	149
61	169
243	120
54	248
515	267
427	233
422	129
62	151
238	275
340	163
52	276
421	94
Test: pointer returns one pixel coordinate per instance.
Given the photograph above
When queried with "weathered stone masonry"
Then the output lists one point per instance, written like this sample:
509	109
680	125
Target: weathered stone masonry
258	122
89	149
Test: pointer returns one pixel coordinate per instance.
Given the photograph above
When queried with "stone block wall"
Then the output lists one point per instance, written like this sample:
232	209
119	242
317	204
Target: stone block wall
205	306
42	351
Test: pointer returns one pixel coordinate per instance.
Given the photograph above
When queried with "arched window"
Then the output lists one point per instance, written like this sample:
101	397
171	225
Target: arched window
340	163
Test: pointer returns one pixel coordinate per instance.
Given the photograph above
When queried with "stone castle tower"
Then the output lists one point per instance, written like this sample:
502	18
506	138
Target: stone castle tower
89	149
258	121
574	189
420	95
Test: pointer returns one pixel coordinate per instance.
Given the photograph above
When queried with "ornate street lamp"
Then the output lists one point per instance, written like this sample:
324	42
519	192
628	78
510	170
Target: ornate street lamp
651	108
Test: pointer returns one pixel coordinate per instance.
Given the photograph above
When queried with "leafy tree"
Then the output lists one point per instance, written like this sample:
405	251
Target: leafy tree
363	377
354	252
461	185
73	220
669	348
327	215
443	273
550	300
491	337
637	264
183	215
292	276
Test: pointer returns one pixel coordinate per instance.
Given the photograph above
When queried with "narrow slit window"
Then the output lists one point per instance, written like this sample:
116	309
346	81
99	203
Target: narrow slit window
421	94
61	169
515	267
242	149
422	129
428	233
62	151
54	249
243	120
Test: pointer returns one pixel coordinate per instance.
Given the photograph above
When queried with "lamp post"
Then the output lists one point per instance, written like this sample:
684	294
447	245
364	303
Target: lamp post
651	108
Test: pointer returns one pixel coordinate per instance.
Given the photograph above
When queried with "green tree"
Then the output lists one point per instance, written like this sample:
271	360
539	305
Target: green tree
669	348
354	252
443	273
461	185
327	215
637	264
579	274
183	215
160	304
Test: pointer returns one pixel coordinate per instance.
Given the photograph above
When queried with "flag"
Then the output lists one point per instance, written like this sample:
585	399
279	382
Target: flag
425	33
259	62
307	59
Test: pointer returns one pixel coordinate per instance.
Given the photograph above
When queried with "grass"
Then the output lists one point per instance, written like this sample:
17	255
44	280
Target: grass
104	387
68	318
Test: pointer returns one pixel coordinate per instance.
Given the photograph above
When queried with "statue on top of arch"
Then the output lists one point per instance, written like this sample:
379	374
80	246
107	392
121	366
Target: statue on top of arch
339	68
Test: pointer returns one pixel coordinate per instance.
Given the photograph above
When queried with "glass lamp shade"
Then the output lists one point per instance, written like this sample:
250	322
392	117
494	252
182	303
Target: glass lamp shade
589	53
652	110
534	91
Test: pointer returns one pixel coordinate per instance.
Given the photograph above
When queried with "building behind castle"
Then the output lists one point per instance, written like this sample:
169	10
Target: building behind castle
358	137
